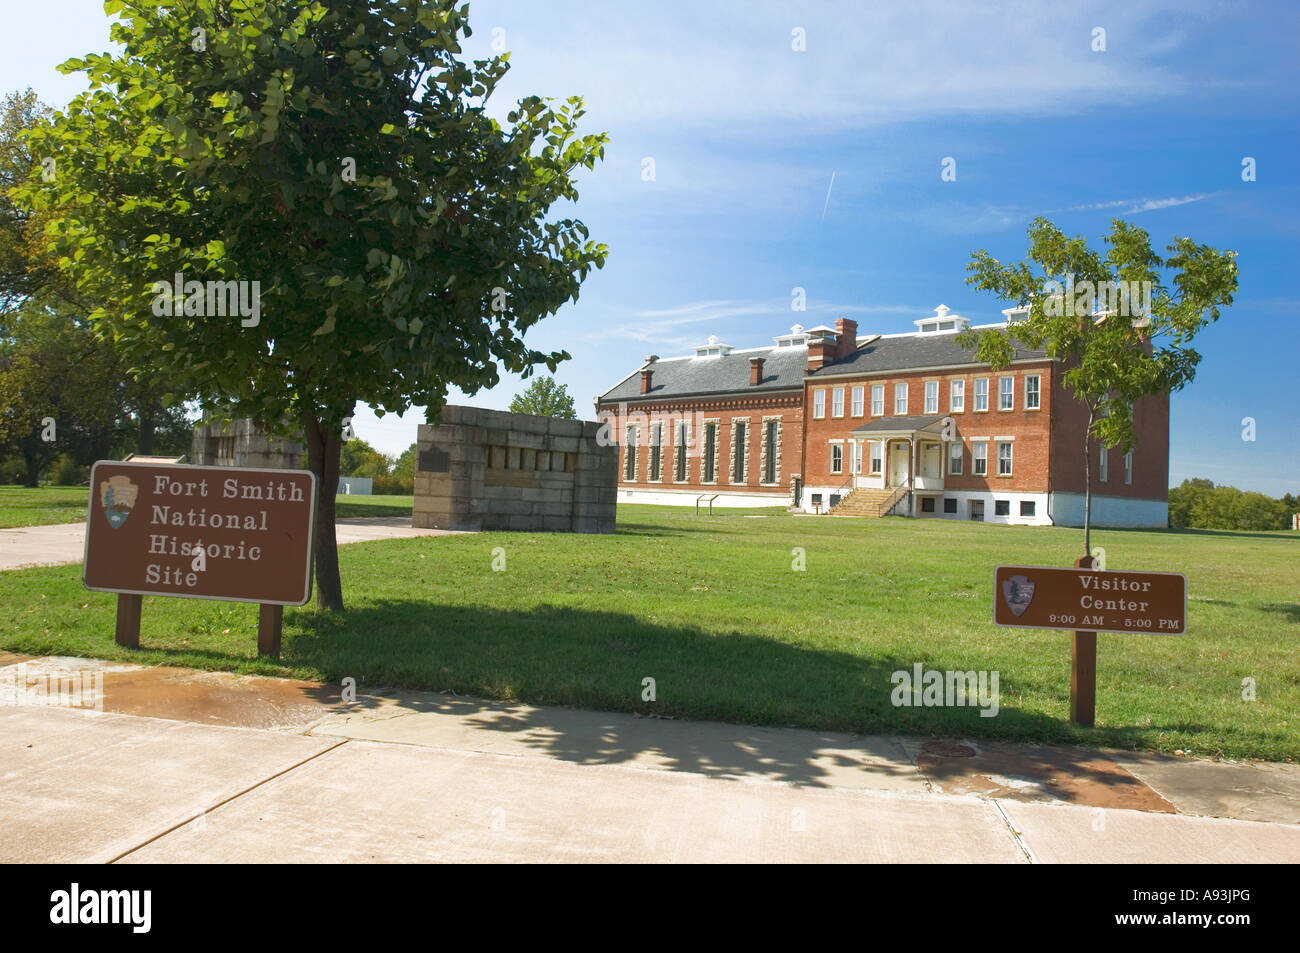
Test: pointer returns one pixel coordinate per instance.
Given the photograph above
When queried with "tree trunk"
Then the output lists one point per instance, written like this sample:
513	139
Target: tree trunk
323	446
148	423
33	468
1087	486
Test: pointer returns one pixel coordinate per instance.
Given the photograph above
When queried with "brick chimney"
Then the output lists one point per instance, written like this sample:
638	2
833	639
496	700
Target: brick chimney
820	351
755	370
647	373
846	336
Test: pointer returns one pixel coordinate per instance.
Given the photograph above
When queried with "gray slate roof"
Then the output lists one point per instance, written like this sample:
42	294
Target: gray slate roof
885	424
783	369
920	350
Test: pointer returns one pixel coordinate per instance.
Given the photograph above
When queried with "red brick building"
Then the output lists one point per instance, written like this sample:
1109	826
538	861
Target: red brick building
908	424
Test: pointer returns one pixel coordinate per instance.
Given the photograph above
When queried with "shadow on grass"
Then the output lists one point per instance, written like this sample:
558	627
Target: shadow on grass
566	658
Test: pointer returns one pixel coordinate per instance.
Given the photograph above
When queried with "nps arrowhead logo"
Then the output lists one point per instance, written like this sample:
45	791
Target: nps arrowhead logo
1017	592
118	495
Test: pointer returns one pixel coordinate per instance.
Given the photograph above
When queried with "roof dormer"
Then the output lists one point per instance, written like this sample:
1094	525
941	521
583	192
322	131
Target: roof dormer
712	348
796	338
941	322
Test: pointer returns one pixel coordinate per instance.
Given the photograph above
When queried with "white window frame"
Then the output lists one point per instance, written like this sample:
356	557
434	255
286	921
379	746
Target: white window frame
931	399
858	400
1103	464
900	387
877	400
957	396
819	403
1128	468
1037	392
837	402
837	445
977	458
976	406
875	457
1009	459
1007	398
958	446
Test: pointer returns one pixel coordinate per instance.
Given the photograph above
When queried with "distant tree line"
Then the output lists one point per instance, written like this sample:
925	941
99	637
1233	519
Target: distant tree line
392	475
1199	504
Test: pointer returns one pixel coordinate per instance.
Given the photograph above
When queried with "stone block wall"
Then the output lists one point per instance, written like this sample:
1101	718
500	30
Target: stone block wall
242	443
493	470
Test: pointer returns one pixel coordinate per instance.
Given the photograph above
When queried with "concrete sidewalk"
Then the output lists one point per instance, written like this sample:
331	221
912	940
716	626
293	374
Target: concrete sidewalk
170	772
65	543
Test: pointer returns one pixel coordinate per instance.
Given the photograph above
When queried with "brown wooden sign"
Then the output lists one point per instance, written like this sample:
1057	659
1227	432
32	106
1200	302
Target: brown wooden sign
1090	600
231	533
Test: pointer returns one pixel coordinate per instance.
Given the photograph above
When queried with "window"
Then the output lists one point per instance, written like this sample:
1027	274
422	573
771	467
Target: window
682	440
957	396
1004	458
769	470
1006	393
900	399
629	462
979	459
976	508
874	451
1128	468
837	458
710	448
981	394
837	402
927	504
738	452
819	404
877	400
1032	384
857	400
1028	508
931	397
656	437
950	505
955	454
1001	507
1103	458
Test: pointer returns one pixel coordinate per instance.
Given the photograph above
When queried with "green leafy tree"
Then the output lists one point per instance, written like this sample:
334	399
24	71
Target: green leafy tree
25	271
359	459
545	398
404	467
341	156
1139	345
59	389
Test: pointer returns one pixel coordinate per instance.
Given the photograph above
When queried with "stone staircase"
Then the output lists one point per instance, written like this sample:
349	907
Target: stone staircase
865	502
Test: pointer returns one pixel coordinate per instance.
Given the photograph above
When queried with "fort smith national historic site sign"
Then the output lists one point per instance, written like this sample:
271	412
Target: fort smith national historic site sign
230	533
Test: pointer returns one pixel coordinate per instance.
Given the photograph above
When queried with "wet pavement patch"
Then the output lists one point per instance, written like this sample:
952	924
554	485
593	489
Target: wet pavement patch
1036	773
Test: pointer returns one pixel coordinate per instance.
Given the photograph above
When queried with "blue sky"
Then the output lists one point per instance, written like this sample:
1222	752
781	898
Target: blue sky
746	133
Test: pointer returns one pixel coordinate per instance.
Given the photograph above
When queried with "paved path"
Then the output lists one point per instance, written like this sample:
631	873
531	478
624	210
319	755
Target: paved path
170	770
66	543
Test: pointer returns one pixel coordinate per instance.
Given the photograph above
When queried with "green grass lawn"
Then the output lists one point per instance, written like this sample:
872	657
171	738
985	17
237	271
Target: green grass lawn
45	505
20	506
712	610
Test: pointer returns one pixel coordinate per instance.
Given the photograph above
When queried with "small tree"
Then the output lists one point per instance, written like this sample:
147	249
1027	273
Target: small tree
1117	330
545	398
336	164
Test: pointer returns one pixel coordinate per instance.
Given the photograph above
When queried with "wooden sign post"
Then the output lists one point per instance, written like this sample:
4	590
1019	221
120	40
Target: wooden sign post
1084	601
231	533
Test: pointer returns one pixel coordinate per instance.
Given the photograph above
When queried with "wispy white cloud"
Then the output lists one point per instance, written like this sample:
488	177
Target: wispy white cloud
1137	206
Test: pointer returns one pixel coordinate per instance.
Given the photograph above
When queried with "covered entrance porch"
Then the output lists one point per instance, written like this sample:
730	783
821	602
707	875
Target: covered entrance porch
898	457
